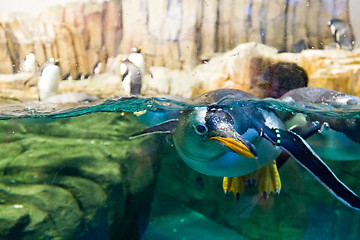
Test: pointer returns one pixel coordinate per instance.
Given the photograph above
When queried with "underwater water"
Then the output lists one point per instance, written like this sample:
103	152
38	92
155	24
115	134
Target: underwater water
73	173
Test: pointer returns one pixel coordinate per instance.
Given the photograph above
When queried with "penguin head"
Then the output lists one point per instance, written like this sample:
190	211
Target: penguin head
30	57
57	61
136	49
335	24
204	134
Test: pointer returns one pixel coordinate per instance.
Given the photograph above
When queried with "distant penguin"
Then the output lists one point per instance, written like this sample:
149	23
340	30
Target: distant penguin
300	45
97	68
131	77
29	64
49	80
341	33
48	85
138	59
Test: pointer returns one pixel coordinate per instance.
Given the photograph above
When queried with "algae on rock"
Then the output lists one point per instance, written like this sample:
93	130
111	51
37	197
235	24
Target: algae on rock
73	178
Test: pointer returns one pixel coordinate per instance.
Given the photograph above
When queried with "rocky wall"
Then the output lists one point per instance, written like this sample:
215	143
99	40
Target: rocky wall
175	34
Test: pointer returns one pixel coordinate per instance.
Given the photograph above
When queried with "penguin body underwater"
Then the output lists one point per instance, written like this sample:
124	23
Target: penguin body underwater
342	33
235	138
339	138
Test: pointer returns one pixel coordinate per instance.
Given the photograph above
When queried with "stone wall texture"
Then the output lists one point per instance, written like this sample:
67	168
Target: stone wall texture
177	34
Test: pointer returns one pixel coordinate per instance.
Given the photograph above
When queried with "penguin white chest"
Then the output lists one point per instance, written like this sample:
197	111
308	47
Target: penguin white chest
127	79
48	82
29	64
139	61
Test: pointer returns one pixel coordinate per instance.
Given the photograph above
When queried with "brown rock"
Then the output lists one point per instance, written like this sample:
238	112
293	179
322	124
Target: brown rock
237	68
6	66
75	22
65	49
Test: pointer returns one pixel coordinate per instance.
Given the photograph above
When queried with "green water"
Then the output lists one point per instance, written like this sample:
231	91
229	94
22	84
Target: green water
74	174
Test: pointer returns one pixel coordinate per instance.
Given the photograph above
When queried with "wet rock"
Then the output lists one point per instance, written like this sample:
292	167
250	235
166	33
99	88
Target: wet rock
277	79
79	178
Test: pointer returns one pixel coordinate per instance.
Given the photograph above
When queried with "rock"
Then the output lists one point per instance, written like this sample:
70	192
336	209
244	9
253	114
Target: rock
5	63
277	79
168	82
173	220
237	68
172	35
80	178
66	50
244	67
112	31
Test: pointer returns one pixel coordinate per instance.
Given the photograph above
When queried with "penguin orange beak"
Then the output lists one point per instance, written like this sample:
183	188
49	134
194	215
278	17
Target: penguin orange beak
236	143
237	147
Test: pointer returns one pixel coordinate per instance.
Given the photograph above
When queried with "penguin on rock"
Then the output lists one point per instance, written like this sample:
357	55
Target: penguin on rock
48	85
341	33
131	77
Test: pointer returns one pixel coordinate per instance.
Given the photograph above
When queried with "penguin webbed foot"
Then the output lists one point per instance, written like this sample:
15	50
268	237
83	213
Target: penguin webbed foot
267	178
269	181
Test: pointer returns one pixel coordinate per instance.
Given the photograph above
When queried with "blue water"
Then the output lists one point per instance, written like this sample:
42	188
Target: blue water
134	104
303	210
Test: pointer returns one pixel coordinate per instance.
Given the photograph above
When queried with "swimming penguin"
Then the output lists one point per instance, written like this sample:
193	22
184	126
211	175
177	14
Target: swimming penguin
131	77
342	33
234	139
339	138
29	64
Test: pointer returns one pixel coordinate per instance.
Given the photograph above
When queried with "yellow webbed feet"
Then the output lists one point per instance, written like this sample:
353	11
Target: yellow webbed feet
234	184
267	178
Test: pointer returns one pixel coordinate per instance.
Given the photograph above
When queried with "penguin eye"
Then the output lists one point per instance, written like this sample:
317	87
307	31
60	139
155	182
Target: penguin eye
201	129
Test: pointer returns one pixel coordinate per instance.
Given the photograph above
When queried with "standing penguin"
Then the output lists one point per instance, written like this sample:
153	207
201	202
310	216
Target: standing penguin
342	33
48	85
97	68
29	64
49	80
131	77
138	59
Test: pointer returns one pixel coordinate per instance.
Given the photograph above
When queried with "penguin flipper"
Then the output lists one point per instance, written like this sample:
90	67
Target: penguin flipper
167	127
300	150
305	132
